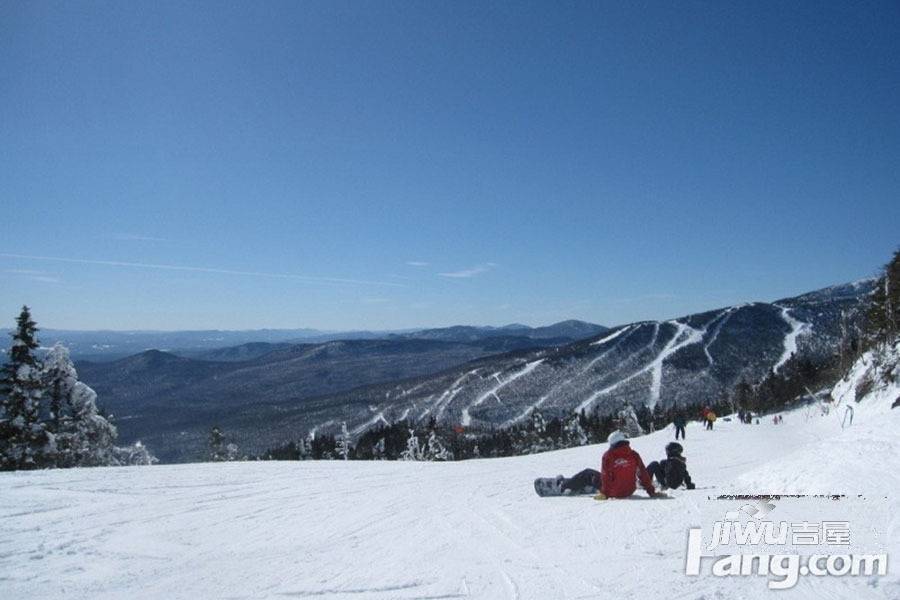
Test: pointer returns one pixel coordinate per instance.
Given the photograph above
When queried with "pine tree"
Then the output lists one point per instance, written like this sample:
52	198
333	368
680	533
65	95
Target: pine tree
343	449
59	378
135	455
435	450
25	442
91	437
216	444
413	450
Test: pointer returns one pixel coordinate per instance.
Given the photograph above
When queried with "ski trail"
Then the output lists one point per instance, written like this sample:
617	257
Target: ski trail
447	397
722	318
528	368
361	428
798	328
612	336
693	336
690	336
587	403
569	381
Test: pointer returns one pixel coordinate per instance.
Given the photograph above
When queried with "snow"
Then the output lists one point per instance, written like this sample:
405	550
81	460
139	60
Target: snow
466	419
798	328
722	320
473	529
611	336
684	335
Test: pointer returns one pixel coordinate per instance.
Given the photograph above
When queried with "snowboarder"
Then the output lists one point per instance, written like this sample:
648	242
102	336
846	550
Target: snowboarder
680	422
671	472
620	468
710	419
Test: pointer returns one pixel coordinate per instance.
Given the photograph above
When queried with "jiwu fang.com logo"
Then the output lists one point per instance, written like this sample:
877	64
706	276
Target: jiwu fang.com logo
783	570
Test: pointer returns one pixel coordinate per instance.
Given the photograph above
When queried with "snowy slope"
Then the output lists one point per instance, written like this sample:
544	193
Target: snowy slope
474	529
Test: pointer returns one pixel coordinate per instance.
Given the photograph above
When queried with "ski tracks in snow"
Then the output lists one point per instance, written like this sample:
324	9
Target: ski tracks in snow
798	328
501	383
684	335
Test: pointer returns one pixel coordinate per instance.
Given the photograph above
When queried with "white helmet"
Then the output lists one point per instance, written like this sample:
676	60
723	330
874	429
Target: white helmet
615	437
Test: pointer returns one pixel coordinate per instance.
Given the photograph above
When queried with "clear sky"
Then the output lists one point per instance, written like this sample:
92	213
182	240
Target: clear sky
174	165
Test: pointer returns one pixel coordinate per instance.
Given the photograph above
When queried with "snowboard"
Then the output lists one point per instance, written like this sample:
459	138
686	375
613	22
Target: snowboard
552	486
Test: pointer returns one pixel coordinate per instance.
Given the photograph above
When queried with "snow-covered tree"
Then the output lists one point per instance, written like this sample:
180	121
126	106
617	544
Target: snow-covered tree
574	432
216	444
25	442
629	422
59	378
413	449
343	448
538	423
434	448
89	437
232	453
378	450
135	455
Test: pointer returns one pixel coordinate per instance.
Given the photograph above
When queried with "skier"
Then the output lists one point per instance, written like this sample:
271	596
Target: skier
620	468
710	419
680	422
672	471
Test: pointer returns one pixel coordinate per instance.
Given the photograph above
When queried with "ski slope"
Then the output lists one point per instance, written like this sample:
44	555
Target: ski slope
475	529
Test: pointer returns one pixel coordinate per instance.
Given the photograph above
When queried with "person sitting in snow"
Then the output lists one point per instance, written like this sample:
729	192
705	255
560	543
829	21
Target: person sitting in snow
620	468
671	472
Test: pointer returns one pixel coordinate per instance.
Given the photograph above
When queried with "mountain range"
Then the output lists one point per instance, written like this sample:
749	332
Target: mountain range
262	394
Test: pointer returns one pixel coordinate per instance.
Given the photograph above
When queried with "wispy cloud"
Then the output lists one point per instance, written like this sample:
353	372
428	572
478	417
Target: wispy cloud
41	276
375	300
470	272
161	267
417	263
24	272
131	237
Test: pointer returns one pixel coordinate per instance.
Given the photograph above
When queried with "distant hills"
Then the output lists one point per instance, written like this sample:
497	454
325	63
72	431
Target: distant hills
264	393
111	345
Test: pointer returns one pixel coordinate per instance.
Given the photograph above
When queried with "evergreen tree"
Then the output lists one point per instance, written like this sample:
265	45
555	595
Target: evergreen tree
59	378
135	455
91	436
343	449
413	449
25	442
216	444
434	448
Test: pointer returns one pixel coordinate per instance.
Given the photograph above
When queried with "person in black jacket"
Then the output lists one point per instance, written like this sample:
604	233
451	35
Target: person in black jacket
672	471
679	423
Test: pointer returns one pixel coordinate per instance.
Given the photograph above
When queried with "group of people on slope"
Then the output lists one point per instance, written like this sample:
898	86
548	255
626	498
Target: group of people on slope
621	469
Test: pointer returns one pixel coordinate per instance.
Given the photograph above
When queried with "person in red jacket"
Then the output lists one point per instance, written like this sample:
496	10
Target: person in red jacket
620	470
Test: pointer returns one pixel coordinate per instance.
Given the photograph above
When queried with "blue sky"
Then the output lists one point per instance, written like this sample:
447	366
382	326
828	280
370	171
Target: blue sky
385	165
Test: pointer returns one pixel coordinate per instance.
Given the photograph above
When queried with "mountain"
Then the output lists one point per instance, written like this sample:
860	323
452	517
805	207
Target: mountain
468	376
160	393
687	361
242	345
563	331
